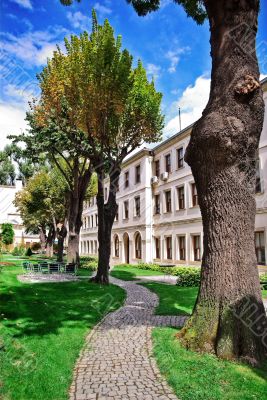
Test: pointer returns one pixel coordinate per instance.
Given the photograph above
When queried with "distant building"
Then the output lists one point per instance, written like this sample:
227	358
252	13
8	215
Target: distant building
9	213
159	218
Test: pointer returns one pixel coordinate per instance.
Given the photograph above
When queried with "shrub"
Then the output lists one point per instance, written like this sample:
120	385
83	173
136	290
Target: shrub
28	252
187	276
263	280
89	262
18	251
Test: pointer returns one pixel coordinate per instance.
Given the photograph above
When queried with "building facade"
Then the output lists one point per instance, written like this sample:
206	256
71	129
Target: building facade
158	217
9	213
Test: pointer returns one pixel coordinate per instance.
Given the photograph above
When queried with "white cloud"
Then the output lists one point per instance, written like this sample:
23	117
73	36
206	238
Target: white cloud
153	71
192	102
174	57
102	10
24	3
79	21
262	76
32	48
12	122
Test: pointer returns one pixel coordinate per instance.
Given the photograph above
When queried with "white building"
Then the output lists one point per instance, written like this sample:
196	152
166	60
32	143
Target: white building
159	218
9	213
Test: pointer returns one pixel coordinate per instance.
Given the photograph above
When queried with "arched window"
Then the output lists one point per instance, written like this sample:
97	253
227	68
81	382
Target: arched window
138	246
116	246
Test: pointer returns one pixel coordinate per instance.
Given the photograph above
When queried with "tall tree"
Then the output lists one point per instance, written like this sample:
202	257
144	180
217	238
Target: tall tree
54	132
117	108
42	206
222	154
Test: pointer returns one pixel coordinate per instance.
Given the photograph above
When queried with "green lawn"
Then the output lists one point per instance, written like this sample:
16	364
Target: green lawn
196	376
131	273
43	328
173	300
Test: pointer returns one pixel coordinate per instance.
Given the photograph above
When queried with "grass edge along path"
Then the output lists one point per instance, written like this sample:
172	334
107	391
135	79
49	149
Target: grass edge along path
130	273
195	376
43	329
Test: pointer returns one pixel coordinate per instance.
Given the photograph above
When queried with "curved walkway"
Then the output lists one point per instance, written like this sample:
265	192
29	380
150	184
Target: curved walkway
116	362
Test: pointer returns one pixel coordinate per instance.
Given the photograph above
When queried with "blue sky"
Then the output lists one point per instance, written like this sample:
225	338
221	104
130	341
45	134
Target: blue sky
173	48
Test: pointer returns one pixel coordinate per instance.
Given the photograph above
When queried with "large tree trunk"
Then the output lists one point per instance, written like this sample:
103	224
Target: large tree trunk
229	317
42	237
61	235
50	241
106	216
77	196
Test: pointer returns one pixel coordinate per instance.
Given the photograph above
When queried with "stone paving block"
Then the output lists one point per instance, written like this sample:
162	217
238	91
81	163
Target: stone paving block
116	362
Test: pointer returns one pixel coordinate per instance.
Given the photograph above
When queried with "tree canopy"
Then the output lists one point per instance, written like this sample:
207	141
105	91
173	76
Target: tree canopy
7	233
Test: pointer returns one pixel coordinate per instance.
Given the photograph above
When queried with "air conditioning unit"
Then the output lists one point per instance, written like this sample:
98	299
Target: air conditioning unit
164	176
154	180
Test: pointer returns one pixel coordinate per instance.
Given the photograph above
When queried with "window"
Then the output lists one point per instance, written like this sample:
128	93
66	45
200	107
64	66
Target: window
126	209
168	163
138	246
106	194
194	195
259	247
180	193
169	247
196	246
258	188
117	214
126	179
180	157
157	247
137	174
168	201
181	242
116	246
137	206
157	204
157	168
96	220
92	221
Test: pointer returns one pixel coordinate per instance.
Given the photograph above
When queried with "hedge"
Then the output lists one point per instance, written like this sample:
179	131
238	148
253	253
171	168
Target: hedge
89	262
186	276
263	280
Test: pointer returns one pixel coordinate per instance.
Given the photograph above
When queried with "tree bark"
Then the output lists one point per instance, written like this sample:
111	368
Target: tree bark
76	199
61	234
50	241
106	216
229	317
42	236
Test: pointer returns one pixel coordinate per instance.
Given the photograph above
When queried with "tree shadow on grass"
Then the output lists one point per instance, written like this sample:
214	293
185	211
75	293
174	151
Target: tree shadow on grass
41	309
124	275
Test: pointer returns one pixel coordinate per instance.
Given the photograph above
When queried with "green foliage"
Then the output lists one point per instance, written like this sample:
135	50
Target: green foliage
187	276
41	202
28	252
89	262
7	233
193	8
263	280
7	169
18	251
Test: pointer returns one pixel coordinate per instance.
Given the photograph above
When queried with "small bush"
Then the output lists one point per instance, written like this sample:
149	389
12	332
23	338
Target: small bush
28	252
263	280
18	251
187	276
89	262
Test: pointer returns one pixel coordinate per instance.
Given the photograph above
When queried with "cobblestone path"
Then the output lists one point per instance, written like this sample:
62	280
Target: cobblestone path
116	362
